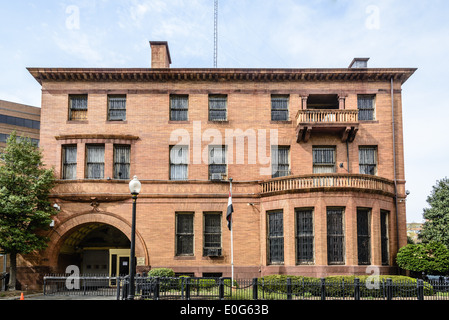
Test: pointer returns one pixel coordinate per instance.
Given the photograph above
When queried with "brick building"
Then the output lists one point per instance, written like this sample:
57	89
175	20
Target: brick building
316	158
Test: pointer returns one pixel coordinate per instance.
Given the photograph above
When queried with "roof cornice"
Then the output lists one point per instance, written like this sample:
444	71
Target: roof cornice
216	74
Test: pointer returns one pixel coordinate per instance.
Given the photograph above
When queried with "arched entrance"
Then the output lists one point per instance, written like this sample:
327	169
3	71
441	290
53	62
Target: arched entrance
97	243
94	247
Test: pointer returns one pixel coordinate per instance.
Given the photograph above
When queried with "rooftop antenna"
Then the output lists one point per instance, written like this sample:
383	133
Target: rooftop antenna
216	34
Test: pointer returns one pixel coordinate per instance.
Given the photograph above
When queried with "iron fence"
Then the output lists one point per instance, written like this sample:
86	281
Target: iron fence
191	288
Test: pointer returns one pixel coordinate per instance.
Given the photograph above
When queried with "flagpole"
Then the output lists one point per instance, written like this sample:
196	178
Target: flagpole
232	240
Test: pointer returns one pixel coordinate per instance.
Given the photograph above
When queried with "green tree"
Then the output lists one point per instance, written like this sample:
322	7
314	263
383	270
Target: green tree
25	209
436	225
430	258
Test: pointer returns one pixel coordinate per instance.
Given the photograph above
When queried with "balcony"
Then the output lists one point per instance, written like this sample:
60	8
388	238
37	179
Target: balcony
334	121
328	182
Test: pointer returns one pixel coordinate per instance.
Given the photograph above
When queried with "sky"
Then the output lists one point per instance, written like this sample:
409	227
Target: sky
251	34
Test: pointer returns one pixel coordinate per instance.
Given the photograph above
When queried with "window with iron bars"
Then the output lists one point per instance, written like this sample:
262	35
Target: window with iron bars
304	236
212	234
184	233
363	236
384	242
335	236
275	237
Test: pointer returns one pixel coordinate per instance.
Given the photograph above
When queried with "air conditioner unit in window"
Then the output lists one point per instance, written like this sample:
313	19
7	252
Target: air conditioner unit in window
217	177
212	252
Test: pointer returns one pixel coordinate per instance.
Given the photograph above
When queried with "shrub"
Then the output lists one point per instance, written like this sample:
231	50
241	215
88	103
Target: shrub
161	273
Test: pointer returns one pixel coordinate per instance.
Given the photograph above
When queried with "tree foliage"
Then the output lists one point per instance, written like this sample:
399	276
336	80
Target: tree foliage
436	225
430	258
25	209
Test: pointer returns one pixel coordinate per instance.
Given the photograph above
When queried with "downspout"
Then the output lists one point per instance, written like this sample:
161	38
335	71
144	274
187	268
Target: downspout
394	165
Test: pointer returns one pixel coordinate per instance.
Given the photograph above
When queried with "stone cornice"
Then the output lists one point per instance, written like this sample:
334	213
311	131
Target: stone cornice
261	75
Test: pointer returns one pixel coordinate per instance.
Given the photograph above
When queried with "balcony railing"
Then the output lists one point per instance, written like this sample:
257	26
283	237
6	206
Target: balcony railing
327	116
328	181
344	122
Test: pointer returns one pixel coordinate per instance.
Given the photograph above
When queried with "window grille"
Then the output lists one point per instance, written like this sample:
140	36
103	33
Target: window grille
179	107
212	234
179	156
335	236
69	162
276	237
217	161
184	234
384	237
365	104
78	107
279	108
117	108
363	236
324	159
218	108
95	162
280	161
368	160
122	162
304	236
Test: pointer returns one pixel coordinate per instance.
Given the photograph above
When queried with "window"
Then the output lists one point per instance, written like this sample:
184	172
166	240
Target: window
363	236
217	163
69	162
184	234
95	162
279	108
179	107
322	101
117	108
384	242
20	122
78	107
275	237
365	104
368	160
122	162
280	161
323	159
179	159
304	236
335	236
212	234
218	107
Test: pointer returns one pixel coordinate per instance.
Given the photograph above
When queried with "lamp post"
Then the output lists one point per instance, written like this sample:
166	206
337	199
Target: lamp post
134	187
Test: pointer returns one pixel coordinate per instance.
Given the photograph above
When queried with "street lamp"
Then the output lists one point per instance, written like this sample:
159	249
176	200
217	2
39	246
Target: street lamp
134	187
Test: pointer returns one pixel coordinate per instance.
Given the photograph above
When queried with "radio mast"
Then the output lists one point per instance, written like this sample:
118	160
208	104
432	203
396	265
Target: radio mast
216	34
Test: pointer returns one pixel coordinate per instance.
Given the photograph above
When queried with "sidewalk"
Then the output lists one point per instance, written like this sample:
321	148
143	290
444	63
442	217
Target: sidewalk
40	296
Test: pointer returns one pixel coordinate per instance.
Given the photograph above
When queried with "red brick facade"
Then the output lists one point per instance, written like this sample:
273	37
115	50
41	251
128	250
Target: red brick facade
149	132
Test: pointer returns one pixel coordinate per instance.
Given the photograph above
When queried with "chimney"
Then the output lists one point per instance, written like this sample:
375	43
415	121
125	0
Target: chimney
359	63
160	55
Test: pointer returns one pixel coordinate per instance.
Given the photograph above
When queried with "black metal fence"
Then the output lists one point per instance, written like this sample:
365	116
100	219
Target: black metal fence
190	288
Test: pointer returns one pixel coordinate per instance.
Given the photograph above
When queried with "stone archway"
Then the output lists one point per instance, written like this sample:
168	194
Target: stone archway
80	228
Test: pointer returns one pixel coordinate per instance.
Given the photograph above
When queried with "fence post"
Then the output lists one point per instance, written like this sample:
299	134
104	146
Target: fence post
389	289
255	289
323	289
221	288
187	288
356	289
289	289
420	291
157	287
117	282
